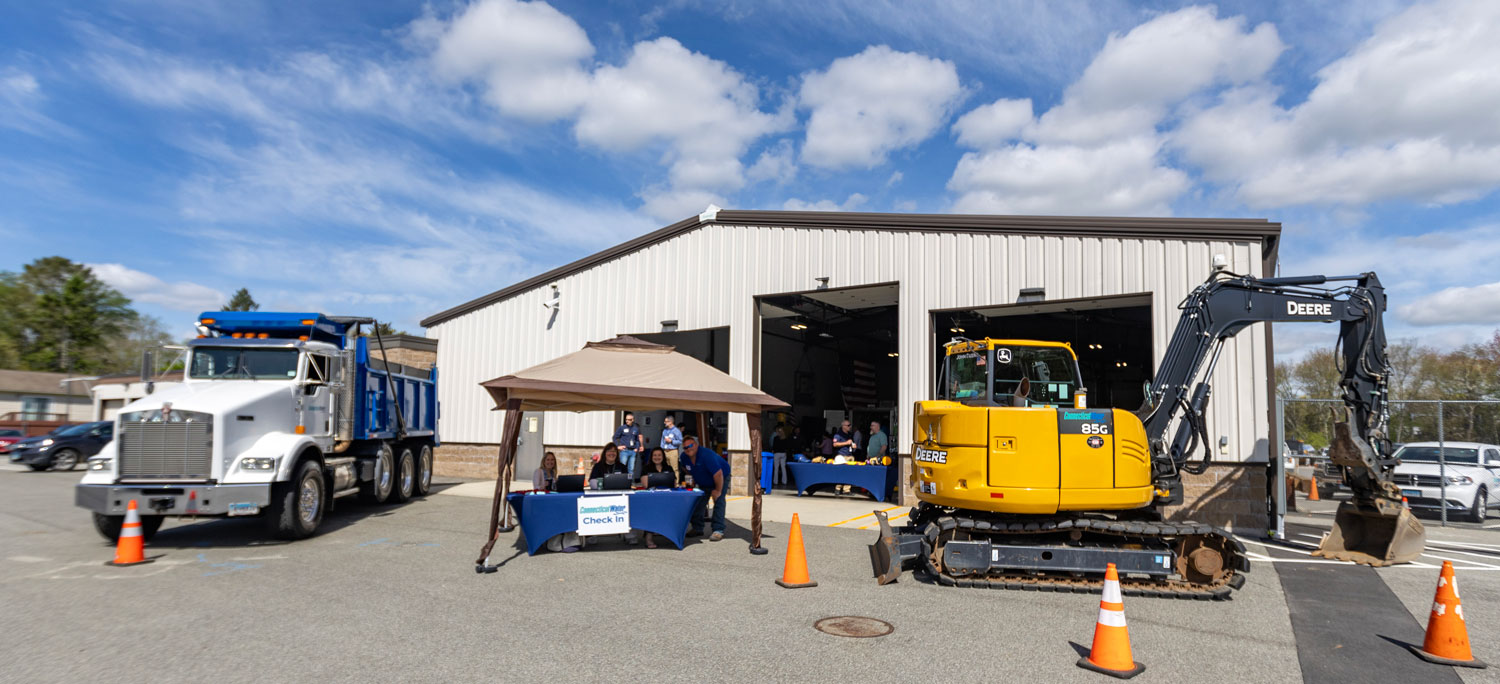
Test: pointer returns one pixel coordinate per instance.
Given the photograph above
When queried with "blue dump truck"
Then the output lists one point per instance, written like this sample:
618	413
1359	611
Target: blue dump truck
279	415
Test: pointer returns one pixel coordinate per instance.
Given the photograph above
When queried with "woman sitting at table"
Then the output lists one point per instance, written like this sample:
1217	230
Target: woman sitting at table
656	463
545	477
609	463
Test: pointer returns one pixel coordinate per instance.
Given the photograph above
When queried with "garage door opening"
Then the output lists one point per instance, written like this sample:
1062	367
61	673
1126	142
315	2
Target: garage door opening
1110	335
832	355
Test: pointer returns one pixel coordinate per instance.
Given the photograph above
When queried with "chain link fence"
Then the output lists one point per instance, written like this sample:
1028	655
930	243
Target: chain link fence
1441	432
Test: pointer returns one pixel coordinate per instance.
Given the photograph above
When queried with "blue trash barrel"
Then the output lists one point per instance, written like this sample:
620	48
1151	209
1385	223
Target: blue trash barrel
767	466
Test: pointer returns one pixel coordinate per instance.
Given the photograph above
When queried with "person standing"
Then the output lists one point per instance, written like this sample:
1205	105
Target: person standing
671	442
879	445
711	474
843	441
629	439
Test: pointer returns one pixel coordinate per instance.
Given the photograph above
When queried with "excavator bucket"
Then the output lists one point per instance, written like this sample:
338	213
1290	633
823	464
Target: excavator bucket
883	556
1369	537
1375	528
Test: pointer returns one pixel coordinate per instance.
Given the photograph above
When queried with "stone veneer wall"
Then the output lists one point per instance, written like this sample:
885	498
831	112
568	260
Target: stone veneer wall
424	360
1230	495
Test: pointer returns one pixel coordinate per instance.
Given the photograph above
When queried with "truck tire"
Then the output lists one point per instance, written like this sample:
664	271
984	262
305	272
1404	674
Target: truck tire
406	476
378	488
108	526
1481	503
297	506
424	471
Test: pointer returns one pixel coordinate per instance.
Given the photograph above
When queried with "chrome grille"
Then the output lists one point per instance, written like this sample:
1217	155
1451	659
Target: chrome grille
161	451
1416	480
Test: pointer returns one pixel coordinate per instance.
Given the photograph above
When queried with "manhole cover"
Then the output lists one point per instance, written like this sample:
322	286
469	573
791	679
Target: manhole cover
854	626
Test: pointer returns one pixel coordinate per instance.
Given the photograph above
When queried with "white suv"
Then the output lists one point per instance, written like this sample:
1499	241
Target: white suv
1472	470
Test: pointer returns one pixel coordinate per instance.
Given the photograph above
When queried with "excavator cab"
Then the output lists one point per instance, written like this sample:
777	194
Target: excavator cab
1023	373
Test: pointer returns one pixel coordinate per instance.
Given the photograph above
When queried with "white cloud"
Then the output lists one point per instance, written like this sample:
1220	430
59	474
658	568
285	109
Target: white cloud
529	55
21	100
777	164
870	104
705	113
851	203
144	287
1479	304
1099	151
1407	114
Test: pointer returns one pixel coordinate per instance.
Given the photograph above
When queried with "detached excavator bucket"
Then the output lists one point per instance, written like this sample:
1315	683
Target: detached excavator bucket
1368	537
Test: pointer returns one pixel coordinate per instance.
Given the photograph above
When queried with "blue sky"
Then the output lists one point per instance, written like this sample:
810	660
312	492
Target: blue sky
397	158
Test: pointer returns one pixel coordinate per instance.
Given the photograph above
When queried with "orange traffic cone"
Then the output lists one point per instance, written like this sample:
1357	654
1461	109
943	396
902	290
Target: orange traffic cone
1312	493
1447	641
794	573
1110	653
131	549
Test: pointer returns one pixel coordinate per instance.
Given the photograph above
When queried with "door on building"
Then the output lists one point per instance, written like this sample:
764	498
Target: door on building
529	447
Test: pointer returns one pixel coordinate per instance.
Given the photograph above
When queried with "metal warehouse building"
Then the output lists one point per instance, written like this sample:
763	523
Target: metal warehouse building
845	315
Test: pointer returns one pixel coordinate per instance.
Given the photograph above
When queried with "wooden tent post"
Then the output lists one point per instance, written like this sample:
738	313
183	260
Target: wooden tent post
754	479
508	441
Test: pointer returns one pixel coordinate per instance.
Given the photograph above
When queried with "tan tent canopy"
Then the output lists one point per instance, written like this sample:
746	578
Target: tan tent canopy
622	373
626	372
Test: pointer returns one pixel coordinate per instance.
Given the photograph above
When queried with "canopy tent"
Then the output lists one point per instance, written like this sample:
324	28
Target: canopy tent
617	374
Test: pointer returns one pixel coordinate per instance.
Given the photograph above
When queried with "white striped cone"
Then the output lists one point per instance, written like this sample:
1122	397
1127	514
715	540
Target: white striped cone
131	548
1110	653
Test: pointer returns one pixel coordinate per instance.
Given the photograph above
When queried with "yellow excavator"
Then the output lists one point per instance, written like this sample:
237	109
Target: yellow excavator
1022	485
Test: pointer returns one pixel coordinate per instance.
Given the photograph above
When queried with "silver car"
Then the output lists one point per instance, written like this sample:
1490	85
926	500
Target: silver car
1472	471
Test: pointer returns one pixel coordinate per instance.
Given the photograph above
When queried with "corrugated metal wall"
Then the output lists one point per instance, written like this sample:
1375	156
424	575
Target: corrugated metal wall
710	276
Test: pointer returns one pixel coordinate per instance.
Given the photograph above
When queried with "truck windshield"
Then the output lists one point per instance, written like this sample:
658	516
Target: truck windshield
1429	454
228	363
1050	369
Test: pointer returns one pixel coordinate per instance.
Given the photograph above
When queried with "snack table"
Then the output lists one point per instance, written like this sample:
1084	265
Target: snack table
878	480
544	515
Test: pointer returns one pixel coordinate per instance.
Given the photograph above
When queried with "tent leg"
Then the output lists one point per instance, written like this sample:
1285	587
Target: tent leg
508	440
754	478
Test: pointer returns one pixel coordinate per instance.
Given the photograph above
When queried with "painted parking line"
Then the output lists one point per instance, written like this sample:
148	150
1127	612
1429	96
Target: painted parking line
861	517
1446	558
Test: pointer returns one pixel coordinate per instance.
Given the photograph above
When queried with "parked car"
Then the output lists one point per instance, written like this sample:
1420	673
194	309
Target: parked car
65	448
14	450
1472	471
9	436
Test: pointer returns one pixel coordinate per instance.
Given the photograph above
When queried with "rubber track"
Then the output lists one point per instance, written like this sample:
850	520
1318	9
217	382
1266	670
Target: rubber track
1129	532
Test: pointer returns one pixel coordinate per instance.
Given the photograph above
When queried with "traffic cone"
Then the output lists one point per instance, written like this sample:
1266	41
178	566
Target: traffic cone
794	573
1312	494
1110	653
1447	641
131	548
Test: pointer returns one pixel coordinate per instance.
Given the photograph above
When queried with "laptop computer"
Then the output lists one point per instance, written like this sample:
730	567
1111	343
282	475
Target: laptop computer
616	481
569	483
660	481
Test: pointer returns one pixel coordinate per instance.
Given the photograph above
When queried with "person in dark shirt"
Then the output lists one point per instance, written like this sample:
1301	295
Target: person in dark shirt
630	440
609	463
711	474
655	463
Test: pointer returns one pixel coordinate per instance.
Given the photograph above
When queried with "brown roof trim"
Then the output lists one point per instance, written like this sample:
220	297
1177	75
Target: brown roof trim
1259	230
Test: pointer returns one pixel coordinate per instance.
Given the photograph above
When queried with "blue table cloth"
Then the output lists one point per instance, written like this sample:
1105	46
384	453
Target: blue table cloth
878	480
545	515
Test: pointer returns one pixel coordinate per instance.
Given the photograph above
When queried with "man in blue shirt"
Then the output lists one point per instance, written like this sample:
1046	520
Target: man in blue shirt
630	440
711	474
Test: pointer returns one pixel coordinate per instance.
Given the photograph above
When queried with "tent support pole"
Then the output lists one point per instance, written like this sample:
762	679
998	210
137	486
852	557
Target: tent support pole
502	483
753	477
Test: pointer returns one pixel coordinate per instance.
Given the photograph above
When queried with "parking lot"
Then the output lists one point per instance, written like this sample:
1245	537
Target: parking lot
389	594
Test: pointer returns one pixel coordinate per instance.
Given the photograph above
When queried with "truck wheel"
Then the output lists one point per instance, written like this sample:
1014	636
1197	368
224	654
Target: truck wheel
67	459
424	471
297	506
406	476
377	489
1481	503
108	526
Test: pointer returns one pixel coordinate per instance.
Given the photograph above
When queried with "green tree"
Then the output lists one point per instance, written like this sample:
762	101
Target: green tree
142	333
63	317
242	301
386	329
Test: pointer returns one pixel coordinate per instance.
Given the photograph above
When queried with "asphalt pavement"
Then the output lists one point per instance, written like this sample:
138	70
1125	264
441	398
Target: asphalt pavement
390	594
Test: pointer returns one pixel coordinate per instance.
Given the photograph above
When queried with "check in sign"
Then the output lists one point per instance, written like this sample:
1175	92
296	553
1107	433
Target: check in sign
603	515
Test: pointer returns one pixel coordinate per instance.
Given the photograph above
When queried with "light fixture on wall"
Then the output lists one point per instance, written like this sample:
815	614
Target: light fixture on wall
1031	294
553	301
822	282
669	326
